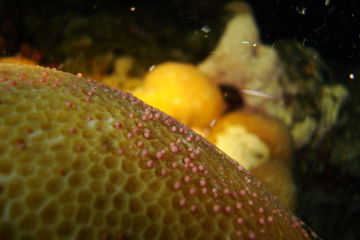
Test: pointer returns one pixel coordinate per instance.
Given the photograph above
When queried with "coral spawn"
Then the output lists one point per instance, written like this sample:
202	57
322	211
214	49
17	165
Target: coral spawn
80	160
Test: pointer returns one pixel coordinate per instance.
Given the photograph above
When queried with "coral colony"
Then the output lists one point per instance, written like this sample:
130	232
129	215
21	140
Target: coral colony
80	160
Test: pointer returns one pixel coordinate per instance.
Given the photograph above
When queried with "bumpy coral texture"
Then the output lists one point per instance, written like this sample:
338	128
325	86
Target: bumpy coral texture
79	160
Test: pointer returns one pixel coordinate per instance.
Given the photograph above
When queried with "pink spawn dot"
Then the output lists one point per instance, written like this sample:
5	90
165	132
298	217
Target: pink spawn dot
187	160
192	191
252	235
187	179
174	148
240	221
182	202
140	144
177	185
72	130
136	130
159	155
118	125
69	105
157	115
150	164
147	133
216	207
201	168
227	209
164	172
144	152
174	165
12	83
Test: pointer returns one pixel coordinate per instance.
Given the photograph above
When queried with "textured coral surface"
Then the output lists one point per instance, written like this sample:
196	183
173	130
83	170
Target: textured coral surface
79	160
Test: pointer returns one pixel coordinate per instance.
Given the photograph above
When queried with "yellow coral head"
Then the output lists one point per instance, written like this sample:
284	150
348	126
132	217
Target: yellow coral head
80	160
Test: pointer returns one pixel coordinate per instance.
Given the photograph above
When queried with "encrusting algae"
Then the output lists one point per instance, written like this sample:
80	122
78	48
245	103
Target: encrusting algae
80	160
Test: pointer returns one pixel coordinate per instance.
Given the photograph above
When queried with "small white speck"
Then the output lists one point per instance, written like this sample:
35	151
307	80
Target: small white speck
152	67
301	11
92	123
206	29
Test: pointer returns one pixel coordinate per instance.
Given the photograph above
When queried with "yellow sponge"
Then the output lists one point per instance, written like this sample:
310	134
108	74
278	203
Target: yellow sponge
183	92
263	146
269	131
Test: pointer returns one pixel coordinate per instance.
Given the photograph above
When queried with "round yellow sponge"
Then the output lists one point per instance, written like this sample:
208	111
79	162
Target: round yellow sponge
183	92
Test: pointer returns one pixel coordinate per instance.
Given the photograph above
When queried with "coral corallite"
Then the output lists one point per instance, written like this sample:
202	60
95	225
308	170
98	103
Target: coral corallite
80	160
